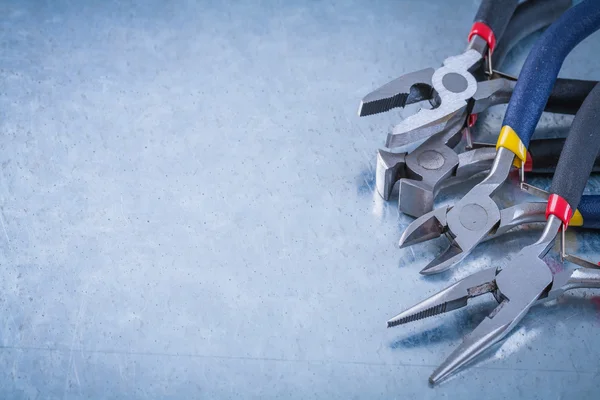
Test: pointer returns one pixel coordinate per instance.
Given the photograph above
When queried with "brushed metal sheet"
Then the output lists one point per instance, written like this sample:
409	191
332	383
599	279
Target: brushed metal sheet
187	209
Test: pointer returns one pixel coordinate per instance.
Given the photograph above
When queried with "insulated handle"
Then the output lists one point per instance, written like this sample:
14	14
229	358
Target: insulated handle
543	63
567	95
589	207
545	154
578	155
529	17
492	19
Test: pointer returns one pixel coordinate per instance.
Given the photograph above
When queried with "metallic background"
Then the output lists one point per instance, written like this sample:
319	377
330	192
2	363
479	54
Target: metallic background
187	209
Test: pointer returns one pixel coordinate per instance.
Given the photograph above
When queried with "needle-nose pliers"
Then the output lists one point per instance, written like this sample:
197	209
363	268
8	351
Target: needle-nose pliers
527	279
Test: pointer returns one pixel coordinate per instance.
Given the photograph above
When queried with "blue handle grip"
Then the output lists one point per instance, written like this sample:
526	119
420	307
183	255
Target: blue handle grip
541	68
589	207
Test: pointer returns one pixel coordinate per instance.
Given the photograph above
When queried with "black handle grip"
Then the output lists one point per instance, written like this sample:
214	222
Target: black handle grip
568	95
545	154
580	151
529	17
589	207
496	14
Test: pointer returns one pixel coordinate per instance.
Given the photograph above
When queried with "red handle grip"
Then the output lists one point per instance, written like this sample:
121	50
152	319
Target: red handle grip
481	29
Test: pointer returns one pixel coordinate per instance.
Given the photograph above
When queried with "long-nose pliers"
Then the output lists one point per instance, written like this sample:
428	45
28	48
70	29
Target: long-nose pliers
527	279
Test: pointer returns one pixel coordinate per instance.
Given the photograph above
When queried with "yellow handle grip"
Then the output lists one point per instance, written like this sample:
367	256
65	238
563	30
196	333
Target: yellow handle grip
576	219
509	139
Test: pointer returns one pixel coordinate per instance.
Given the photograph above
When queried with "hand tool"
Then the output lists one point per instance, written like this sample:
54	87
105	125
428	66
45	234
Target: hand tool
527	279
433	164
456	90
452	84
473	217
510	217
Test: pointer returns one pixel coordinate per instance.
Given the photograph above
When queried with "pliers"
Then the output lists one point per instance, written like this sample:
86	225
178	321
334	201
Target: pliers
527	279
458	88
476	215
434	164
449	87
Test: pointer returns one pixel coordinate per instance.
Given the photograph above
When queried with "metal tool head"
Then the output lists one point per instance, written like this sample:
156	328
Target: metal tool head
426	123
431	166
453	85
451	298
427	227
427	167
516	287
519	286
524	282
466	224
451	109
405	90
421	172
415	197
389	170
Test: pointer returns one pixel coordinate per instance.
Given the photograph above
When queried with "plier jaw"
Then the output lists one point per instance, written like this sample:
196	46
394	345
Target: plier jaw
408	89
420	173
516	288
389	170
466	224
448	89
451	298
427	227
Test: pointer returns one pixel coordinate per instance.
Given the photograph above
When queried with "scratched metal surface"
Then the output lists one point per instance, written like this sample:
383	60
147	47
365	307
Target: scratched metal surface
187	209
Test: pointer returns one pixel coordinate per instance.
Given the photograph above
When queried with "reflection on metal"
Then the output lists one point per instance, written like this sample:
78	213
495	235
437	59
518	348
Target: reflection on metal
571	258
535	191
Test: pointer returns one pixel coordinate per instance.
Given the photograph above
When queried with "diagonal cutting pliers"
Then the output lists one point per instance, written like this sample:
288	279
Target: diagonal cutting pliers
527	279
473	218
434	165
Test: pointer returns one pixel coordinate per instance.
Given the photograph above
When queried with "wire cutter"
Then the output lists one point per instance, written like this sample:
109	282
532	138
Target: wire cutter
434	164
527	279
476	215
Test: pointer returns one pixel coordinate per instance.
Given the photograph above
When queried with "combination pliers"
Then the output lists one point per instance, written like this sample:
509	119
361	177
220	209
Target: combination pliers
527	279
434	164
477	216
